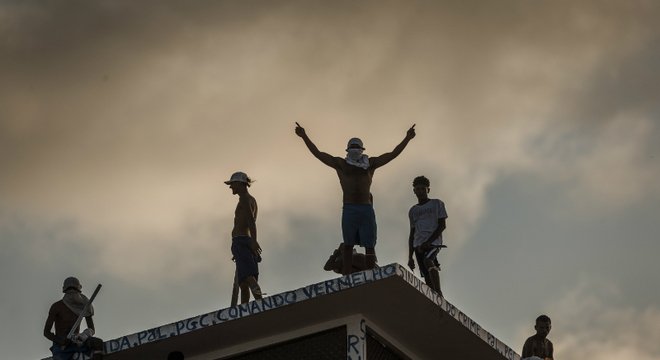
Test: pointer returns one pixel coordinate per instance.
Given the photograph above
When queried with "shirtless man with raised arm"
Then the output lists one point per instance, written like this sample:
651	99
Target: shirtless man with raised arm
355	173
244	245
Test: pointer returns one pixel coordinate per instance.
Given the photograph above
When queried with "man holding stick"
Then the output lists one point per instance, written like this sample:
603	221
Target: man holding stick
66	316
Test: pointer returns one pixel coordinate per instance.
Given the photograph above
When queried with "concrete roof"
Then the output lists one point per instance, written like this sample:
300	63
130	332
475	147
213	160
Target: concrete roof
394	302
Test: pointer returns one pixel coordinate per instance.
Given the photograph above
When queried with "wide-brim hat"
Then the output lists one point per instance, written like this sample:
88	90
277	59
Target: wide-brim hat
238	176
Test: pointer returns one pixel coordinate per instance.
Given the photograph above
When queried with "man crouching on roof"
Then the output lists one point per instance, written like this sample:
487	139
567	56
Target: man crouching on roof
244	245
63	314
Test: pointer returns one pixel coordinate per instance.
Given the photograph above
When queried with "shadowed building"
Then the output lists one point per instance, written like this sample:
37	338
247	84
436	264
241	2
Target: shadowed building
384	313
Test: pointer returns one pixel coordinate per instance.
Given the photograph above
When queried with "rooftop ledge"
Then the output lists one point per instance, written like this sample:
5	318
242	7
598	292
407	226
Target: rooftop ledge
396	305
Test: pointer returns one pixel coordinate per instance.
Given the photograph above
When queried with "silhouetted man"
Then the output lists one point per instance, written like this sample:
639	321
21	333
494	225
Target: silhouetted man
64	314
244	245
356	171
538	345
427	222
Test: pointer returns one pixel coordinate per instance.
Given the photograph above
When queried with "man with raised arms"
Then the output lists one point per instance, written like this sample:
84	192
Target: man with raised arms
355	172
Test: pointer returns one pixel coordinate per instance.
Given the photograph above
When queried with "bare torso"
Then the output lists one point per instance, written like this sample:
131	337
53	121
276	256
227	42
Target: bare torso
245	215
355	182
63	319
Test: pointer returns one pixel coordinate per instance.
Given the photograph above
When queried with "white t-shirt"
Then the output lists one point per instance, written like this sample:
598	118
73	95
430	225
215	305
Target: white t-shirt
424	219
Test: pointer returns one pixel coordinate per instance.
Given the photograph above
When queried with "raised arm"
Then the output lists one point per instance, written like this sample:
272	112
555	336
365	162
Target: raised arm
387	157
324	157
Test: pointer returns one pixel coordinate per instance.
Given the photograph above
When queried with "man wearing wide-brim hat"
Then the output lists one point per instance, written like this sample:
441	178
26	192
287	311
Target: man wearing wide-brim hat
244	245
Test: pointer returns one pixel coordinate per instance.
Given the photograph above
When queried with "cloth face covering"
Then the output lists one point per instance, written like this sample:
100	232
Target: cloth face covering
76	302
356	158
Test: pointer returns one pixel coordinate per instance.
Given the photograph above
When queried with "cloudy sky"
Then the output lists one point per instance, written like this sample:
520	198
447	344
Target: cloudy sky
538	123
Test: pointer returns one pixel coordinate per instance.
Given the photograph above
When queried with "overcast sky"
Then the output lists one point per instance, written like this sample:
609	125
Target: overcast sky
538	124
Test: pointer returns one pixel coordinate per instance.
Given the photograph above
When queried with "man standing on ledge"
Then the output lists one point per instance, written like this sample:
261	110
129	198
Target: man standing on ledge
356	171
244	245
428	219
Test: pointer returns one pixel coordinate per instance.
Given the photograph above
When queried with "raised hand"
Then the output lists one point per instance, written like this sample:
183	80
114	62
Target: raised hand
300	131
411	132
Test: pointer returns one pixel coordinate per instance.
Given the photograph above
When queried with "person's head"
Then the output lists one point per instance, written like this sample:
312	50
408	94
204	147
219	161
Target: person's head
421	187
354	148
175	355
71	283
543	325
239	182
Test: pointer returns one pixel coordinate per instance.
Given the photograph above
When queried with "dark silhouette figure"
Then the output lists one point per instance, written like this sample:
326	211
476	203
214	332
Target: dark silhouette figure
538	345
355	173
63	315
427	222
245	249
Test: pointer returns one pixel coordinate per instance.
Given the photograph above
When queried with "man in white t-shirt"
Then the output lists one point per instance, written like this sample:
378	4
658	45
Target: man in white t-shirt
427	221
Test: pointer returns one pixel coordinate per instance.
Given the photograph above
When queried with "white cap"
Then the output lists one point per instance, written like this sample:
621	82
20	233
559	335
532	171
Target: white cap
239	177
354	141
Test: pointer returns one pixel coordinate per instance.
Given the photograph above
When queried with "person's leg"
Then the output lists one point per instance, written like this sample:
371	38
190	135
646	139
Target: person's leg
370	258
254	287
359	262
349	230
433	278
237	257
234	291
245	292
247	270
347	259
421	263
367	235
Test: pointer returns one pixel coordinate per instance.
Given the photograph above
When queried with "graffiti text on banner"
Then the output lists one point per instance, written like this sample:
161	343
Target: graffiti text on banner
254	307
454	312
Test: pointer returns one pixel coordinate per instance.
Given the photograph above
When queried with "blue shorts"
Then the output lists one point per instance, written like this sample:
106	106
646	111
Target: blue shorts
246	262
70	352
358	225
